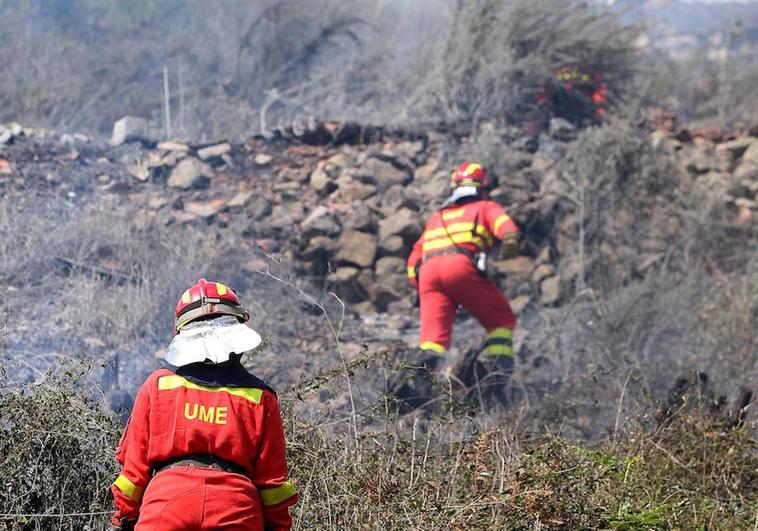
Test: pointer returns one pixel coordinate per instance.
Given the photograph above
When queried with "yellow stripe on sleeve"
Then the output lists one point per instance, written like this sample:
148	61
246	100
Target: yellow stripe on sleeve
130	490
278	494
499	221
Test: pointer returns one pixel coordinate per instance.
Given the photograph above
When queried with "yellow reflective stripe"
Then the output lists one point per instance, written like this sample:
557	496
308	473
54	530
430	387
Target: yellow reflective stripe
129	489
482	231
498	350
500	333
499	221
278	494
455	228
452	214
221	289
174	381
462	226
431	345
468	182
462	237
471	168
411	272
186	297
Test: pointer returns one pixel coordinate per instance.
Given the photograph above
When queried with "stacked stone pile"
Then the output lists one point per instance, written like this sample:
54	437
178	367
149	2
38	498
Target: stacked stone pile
344	204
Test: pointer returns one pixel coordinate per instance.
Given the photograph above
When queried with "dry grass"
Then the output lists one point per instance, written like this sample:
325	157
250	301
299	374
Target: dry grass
452	472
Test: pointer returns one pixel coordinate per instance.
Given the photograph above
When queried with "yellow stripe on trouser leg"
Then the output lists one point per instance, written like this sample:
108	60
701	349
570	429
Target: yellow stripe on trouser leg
499	342
129	489
431	345
277	494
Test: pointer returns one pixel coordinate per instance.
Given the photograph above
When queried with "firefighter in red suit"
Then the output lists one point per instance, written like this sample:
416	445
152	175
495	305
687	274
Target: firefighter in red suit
445	266
204	446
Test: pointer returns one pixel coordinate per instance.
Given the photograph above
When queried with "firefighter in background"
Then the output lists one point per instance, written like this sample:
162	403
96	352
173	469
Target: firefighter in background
204	446
575	95
448	268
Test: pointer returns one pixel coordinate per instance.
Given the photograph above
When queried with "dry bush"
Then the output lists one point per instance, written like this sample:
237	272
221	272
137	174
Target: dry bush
627	198
499	54
450	472
702	90
56	455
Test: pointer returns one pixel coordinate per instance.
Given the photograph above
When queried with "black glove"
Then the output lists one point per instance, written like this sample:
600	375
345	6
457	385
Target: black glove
124	525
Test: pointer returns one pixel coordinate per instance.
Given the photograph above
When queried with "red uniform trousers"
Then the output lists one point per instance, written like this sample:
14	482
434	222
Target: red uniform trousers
195	498
448	280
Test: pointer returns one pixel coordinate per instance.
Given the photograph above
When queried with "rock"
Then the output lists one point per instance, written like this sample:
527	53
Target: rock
746	171
392	246
240	199
751	153
214	151
743	202
360	217
344	283
319	247
734	149
352	190
322	182
541	164
138	171
320	224
262	159
5	167
259	206
205	209
395	198
561	129
156	159
190	173
357	248
9	132
130	129
387	291
404	223
544	256
172	145
542	272
519	303
521	265
550	289
427	171
701	159
384	174
389	265
571	269
409	149
365	279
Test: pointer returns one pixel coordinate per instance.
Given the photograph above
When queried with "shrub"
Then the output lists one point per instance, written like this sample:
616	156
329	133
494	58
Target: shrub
56	455
499	54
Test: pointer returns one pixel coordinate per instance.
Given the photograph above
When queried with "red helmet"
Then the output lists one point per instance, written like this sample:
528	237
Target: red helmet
208	298
470	174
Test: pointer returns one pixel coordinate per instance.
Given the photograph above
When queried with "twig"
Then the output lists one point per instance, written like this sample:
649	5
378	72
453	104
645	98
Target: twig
620	404
336	334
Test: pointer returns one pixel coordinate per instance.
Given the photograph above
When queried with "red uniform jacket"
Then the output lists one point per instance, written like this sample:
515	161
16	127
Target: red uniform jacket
472	225
231	415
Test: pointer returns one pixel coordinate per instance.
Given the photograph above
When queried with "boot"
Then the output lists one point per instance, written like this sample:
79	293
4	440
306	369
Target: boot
415	385
482	378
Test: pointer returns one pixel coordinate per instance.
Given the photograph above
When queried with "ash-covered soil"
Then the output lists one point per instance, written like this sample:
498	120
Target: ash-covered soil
625	227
